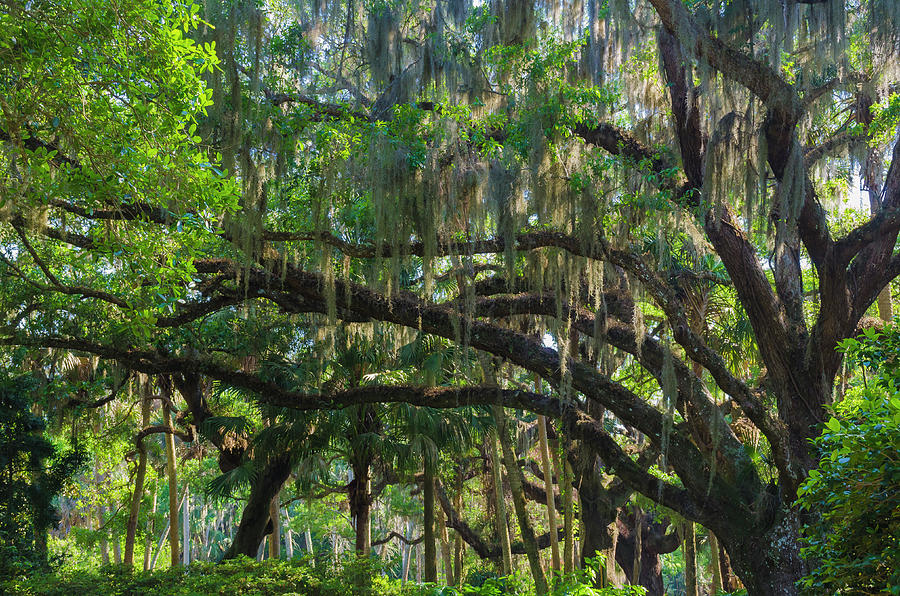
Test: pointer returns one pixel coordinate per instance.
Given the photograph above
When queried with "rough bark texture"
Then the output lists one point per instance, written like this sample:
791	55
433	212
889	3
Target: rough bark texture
689	548
172	482
548	488
138	492
255	518
428	503
514	474
655	540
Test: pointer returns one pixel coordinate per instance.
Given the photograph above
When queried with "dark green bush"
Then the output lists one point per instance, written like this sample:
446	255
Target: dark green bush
247	577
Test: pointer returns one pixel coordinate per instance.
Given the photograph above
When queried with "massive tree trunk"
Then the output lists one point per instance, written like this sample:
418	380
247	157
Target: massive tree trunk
653	543
255	518
768	562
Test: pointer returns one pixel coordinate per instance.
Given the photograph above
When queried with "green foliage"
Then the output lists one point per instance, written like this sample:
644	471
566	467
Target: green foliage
853	537
353	576
32	472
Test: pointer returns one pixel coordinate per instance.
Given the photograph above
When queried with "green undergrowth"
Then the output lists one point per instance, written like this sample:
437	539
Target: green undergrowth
300	577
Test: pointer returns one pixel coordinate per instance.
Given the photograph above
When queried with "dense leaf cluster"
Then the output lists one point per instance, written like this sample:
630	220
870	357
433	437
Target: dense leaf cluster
32	472
854	535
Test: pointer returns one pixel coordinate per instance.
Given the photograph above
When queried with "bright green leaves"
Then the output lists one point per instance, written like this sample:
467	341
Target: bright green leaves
885	122
855	536
100	129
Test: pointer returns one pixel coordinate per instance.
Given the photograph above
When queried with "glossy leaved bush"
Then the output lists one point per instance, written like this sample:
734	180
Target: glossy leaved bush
852	498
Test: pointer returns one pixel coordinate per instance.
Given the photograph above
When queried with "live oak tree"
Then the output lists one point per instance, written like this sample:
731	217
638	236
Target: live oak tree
554	184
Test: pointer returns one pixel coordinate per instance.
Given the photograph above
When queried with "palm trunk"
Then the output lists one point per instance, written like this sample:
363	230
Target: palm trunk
514	474
548	490
690	559
428	497
361	504
170	476
140	475
275	536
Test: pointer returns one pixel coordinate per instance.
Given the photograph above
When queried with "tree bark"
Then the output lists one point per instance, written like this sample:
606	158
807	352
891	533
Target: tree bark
457	538
148	539
169	439
428	502
288	536
138	493
446	555
715	568
548	487
275	536
568	516
768	563
255	518
638	545
514	474
500	501
690	559
186	528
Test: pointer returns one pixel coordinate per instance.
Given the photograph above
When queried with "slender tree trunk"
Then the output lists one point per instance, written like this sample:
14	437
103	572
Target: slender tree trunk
568	519
514	474
406	555
104	543
173	486
138	494
457	539
500	502
186	528
275	536
117	550
428	497
309	545
446	555
418	549
548	489
162	540
715	569
288	536
148	539
690	559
